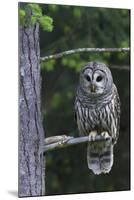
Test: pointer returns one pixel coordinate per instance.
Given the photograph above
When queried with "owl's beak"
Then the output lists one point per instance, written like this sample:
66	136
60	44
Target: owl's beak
93	88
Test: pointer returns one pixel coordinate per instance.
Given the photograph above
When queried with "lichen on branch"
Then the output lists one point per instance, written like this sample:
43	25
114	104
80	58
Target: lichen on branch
80	50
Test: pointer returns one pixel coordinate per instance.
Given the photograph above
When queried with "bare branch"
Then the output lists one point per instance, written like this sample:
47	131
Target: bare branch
119	67
79	50
67	141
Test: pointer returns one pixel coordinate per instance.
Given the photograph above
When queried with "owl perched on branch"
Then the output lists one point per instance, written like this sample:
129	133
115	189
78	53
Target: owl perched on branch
97	109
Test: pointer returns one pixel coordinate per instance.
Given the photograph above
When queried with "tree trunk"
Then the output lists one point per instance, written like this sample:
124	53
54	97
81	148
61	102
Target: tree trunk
31	134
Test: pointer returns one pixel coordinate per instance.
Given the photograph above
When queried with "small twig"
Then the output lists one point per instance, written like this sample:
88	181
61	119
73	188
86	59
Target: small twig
79	50
69	141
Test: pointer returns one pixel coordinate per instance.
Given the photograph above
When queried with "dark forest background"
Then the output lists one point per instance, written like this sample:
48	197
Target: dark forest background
75	27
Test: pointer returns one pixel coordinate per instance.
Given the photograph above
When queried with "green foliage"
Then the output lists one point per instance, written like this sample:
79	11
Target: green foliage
36	9
77	12
45	21
56	100
67	29
53	8
124	43
22	15
73	62
48	66
33	20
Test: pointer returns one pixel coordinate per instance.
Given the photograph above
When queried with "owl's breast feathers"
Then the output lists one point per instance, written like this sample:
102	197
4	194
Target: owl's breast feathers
101	115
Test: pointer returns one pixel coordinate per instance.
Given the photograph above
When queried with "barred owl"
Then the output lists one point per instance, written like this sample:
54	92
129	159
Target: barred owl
97	109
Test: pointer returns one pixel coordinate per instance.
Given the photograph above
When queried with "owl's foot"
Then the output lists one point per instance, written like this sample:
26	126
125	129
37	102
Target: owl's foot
105	135
92	135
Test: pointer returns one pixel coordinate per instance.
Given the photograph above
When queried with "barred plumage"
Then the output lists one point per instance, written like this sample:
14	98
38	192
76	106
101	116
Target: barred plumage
98	112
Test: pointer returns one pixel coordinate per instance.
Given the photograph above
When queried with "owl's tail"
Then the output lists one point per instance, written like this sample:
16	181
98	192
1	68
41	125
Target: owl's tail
100	157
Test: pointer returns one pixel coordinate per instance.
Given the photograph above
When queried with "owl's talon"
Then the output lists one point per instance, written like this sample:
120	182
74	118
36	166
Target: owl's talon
105	135
92	135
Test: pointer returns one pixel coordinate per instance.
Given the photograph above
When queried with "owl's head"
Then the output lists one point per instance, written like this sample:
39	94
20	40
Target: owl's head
96	79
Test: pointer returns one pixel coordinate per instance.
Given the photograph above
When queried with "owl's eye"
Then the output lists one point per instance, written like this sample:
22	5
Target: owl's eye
87	78
99	78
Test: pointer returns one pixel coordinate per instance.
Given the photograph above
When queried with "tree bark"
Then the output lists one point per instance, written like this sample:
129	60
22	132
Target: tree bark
31	133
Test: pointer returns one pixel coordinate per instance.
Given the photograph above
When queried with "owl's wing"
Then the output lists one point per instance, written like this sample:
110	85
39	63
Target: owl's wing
77	119
78	122
117	110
